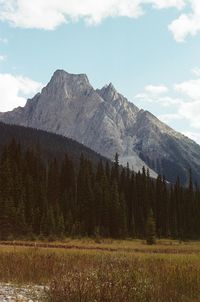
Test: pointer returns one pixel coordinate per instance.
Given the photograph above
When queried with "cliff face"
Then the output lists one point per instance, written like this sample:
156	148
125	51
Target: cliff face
107	122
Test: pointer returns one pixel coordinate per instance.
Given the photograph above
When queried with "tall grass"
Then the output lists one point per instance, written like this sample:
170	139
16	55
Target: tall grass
133	279
96	276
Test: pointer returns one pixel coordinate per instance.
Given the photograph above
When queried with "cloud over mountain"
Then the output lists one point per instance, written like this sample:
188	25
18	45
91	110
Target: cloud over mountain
182	102
48	15
14	90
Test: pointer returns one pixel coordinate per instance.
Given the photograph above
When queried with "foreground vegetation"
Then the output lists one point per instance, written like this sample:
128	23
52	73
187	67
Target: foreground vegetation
131	271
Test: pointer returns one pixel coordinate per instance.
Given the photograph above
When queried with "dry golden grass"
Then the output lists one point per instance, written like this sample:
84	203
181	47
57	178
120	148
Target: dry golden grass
163	246
130	272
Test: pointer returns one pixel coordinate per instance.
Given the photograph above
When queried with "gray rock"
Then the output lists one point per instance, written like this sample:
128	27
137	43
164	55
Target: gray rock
107	122
13	293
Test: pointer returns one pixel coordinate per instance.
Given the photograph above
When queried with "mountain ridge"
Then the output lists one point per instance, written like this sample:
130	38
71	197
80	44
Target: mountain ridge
50	145
104	120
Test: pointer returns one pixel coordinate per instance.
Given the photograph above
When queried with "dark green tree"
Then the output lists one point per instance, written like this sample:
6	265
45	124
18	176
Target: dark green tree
150	229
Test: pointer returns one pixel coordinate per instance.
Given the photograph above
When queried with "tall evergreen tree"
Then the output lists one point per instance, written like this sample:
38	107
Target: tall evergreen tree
150	229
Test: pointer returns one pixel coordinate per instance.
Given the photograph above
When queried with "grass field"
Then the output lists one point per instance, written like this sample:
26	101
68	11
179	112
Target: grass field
121	271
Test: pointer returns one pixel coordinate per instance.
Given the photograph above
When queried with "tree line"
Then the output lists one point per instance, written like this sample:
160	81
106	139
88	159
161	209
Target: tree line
58	199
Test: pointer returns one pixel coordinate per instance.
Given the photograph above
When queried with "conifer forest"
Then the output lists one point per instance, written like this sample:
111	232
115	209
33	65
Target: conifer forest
58	199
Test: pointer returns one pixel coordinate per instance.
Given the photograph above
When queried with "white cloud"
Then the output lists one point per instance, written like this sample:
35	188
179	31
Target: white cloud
183	26
196	71
2	58
156	90
193	135
190	88
48	14
160	4
187	24
191	112
185	107
164	101
3	40
167	118
190	109
14	91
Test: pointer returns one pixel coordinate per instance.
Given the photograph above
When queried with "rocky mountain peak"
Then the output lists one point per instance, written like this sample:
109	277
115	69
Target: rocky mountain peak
107	122
111	87
108	93
62	75
70	85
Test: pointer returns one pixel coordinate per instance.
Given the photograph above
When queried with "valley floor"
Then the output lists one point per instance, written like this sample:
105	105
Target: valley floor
107	270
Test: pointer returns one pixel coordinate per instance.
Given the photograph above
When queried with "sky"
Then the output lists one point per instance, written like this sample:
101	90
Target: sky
148	49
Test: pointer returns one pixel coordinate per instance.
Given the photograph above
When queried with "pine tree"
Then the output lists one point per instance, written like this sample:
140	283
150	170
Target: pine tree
122	217
7	219
60	227
20	223
115	169
105	213
47	226
150	229
114	219
58	198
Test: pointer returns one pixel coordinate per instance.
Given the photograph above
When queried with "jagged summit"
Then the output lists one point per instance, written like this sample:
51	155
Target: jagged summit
105	121
67	85
110	88
62	75
109	93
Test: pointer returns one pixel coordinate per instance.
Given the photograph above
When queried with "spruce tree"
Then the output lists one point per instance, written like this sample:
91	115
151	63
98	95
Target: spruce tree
60	227
20	223
150	229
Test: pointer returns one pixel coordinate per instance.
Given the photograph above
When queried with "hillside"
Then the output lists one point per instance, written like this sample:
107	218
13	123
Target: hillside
48	144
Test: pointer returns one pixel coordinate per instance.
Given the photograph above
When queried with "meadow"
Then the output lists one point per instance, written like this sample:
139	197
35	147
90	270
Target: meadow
107	270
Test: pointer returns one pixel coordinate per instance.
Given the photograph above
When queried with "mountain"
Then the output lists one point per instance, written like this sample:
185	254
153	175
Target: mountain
49	145
107	122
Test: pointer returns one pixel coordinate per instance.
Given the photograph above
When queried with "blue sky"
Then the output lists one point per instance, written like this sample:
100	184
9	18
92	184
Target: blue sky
150	52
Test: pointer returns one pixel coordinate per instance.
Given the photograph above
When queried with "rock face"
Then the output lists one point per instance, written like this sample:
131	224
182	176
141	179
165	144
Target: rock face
12	293
106	122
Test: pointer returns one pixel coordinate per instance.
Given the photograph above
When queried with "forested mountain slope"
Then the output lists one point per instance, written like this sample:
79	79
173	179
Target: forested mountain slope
49	145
